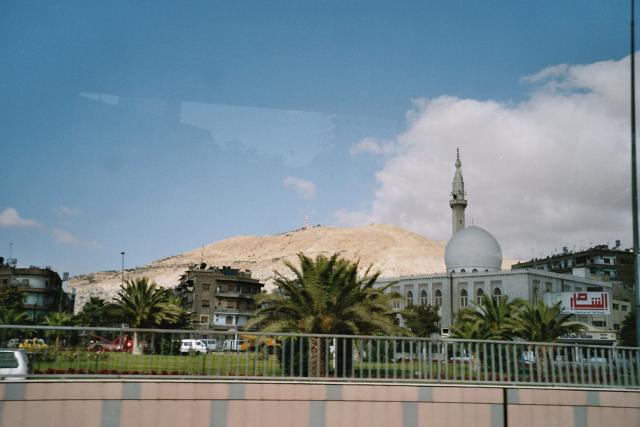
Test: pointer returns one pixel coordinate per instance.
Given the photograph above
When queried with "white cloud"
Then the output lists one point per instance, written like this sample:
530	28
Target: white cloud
67	211
373	146
304	189
66	238
548	172
10	218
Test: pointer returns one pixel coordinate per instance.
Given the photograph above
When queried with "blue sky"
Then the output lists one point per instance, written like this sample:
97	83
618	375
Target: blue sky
156	127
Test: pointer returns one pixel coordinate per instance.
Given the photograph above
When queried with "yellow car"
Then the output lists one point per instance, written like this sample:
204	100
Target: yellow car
32	344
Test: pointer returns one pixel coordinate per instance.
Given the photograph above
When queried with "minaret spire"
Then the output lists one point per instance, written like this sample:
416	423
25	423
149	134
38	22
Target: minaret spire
458	202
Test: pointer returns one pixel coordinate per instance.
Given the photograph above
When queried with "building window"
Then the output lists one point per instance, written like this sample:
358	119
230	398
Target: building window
548	287
616	306
228	320
599	323
475	270
206	287
624	307
479	295
616	326
409	298
438	298
205	303
204	319
464	298
423	298
462	270
535	296
497	293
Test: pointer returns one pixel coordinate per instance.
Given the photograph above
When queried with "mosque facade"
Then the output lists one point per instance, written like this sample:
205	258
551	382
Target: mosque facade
473	260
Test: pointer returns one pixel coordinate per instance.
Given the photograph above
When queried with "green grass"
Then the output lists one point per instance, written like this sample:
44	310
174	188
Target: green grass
245	364
213	364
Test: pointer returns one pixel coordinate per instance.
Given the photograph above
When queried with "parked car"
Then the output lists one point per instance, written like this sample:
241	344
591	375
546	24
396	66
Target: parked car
33	344
233	345
210	343
13	343
462	358
13	365
192	346
527	358
103	344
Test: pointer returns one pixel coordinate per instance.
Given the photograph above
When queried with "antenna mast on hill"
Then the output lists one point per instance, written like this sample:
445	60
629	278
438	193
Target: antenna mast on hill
305	224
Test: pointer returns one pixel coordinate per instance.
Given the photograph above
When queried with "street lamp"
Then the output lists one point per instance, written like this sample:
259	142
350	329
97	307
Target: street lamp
122	271
634	179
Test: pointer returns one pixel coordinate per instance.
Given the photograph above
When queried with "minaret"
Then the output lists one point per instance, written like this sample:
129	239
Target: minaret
458	201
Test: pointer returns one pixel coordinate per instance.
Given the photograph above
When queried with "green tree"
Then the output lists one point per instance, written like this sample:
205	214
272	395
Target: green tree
11	298
142	304
326	296
421	320
542	323
492	319
97	312
628	330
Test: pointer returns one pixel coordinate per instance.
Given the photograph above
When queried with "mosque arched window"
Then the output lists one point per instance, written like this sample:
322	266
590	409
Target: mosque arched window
475	270
438	298
409	298
462	270
423	298
497	293
479	295
464	298
534	298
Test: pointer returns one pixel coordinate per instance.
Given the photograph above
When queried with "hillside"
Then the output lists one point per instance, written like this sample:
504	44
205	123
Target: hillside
391	250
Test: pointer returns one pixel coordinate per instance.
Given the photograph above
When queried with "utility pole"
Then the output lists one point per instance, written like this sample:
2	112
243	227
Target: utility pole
634	178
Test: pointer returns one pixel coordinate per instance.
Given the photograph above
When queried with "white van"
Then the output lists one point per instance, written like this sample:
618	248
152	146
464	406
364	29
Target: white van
192	346
13	365
210	343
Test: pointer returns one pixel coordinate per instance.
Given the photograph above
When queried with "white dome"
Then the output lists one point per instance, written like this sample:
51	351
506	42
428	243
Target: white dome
473	248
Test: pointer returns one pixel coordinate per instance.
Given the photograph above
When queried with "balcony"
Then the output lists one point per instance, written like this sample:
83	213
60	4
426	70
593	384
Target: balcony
227	310
233	294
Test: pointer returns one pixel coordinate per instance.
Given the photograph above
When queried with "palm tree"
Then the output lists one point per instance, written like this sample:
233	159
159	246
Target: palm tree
58	319
467	331
541	323
492	318
326	296
13	316
142	304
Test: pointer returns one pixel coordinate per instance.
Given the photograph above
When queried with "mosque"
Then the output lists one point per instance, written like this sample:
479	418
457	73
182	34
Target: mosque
473	260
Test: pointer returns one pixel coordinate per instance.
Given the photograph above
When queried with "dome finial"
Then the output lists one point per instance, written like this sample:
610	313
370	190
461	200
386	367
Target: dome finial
458	163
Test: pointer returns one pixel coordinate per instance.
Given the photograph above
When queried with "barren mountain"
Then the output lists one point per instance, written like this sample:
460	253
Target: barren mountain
389	249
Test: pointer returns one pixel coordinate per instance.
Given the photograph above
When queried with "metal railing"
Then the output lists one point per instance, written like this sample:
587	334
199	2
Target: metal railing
113	352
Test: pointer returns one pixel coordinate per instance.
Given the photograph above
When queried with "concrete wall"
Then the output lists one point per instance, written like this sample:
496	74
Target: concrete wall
191	404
